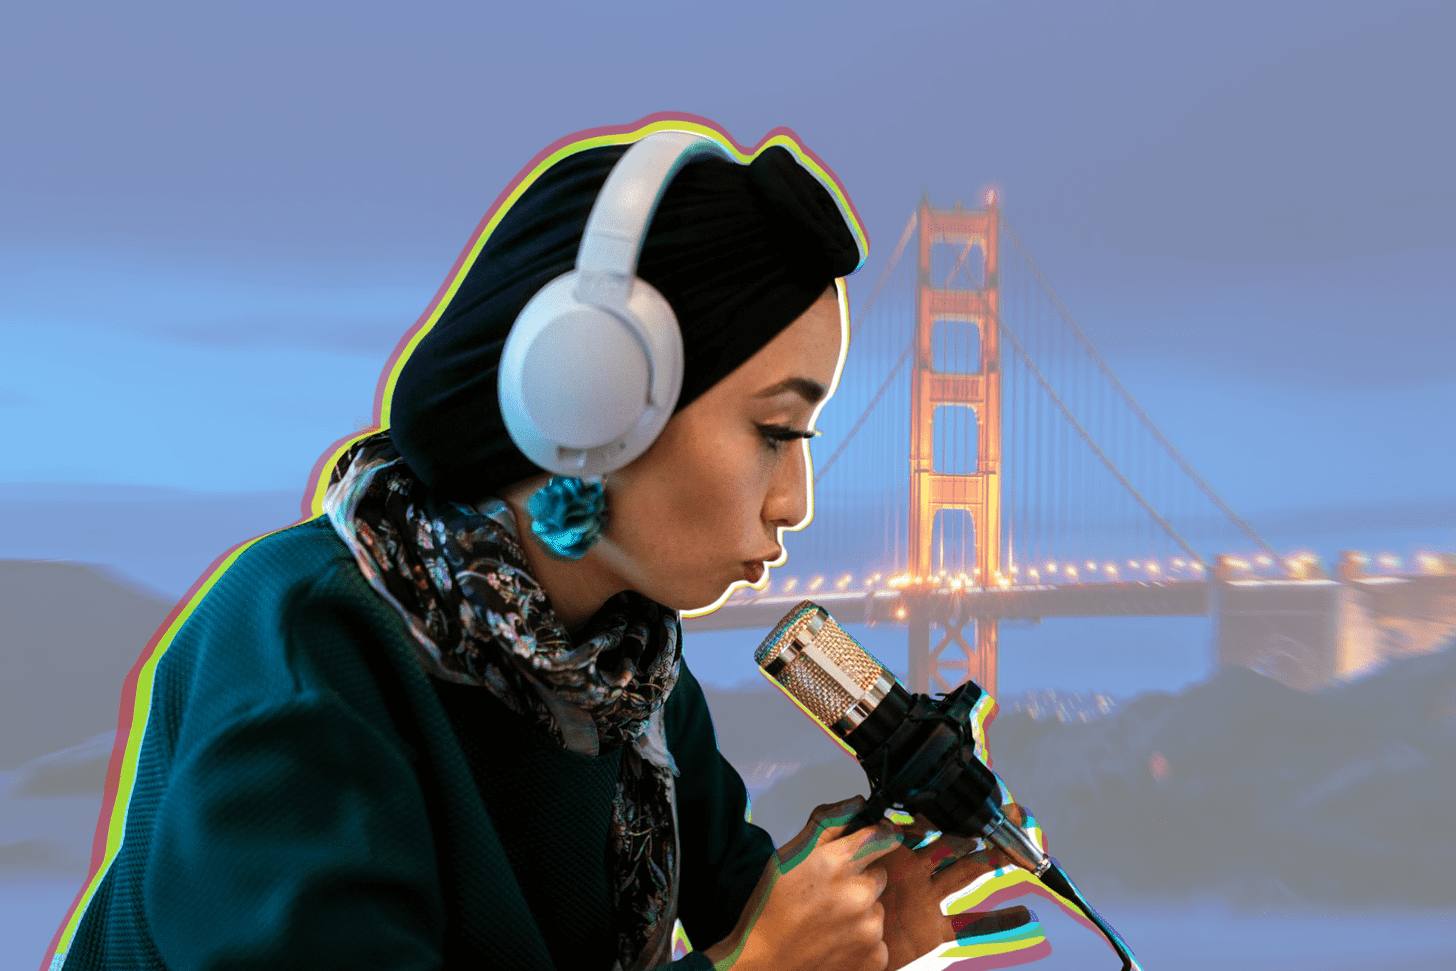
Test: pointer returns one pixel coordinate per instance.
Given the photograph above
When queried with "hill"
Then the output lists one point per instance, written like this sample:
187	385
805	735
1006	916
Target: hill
1237	788
68	634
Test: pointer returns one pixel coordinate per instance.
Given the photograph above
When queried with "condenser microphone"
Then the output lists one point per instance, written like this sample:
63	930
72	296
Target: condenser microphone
918	752
907	749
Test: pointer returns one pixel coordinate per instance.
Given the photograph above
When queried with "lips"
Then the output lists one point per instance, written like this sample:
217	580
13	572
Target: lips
753	569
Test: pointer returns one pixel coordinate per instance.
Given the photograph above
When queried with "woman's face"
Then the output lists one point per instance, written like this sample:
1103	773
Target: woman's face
704	507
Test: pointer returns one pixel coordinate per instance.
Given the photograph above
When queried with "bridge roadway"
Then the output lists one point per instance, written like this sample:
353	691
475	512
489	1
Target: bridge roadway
1178	598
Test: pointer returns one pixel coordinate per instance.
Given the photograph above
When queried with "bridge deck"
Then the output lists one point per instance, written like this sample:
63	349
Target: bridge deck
1173	599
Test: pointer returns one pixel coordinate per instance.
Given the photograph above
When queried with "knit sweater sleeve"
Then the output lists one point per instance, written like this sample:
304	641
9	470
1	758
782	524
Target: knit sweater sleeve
293	832
723	855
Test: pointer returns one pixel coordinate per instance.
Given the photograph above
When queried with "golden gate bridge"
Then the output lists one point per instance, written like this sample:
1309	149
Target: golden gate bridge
981	462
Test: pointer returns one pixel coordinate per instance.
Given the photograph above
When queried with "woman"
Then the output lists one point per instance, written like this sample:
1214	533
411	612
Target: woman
447	722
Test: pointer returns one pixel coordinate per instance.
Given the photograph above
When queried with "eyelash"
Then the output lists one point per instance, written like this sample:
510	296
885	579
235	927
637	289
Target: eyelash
776	435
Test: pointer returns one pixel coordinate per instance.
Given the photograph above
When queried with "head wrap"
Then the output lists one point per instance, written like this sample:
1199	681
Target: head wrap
738	251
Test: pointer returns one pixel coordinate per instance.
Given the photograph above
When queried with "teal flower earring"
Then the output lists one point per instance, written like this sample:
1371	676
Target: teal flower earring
568	515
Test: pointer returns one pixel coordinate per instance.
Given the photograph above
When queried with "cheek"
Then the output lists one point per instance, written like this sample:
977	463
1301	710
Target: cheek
706	501
715	495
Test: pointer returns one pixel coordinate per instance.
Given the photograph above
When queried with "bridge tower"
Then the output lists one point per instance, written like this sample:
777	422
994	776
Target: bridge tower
979	492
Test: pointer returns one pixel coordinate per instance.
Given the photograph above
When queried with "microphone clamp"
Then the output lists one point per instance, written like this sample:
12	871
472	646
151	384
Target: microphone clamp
940	778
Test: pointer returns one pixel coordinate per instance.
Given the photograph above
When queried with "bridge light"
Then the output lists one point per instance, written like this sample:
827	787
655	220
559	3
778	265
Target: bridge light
1198	567
1132	564
816	583
1152	568
1051	568
1178	564
900	613
790	584
1035	575
843	582
1072	572
1265	561
1092	567
1389	561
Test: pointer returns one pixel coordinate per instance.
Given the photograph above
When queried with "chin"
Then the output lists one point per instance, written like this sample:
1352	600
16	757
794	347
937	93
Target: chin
701	601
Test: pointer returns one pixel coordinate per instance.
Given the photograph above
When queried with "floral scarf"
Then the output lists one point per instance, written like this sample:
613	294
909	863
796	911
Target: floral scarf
458	576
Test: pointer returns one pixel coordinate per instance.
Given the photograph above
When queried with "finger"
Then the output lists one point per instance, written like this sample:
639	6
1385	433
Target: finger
836	815
963	870
873	842
940	855
939	845
828	821
844	809
980	923
922	827
881	877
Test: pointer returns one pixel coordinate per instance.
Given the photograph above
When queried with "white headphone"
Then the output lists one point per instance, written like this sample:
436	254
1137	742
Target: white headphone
592	368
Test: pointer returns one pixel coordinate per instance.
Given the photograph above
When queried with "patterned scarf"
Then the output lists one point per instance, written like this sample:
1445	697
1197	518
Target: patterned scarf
458	577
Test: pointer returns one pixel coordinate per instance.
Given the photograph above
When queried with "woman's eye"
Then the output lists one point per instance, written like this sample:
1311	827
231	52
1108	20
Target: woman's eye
776	435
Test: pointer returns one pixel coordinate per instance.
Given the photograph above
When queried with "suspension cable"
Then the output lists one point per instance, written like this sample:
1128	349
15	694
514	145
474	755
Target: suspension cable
1131	403
1066	413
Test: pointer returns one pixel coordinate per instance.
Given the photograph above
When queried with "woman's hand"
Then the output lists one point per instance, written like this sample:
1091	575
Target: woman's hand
918	882
816	907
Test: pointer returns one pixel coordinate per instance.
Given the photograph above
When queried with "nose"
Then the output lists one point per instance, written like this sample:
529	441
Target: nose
788	499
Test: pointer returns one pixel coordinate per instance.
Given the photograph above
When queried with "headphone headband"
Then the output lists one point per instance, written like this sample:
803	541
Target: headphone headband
624	208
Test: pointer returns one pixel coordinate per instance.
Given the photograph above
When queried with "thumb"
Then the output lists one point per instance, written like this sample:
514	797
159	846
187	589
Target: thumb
826	823
830	819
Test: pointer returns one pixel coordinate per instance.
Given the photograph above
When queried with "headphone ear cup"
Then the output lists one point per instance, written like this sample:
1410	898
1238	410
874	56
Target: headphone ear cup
658	323
585	389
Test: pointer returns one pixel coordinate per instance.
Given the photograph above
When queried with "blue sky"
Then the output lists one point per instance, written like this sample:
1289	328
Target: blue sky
215	223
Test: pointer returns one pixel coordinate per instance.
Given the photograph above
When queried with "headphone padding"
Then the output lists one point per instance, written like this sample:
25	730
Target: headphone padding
573	378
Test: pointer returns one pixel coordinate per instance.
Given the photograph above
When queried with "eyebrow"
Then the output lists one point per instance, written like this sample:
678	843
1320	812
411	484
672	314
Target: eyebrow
807	388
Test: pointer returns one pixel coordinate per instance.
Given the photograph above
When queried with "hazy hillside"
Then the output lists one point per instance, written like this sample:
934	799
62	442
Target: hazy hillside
1237	788
68	636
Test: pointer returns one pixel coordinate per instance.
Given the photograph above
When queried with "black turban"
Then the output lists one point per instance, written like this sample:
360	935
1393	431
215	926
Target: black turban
739	251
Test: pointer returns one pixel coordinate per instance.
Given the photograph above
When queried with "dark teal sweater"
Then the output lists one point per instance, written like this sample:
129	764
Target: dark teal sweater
306	797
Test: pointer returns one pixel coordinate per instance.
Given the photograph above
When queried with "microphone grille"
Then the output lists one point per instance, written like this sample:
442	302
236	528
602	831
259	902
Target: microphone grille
819	692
